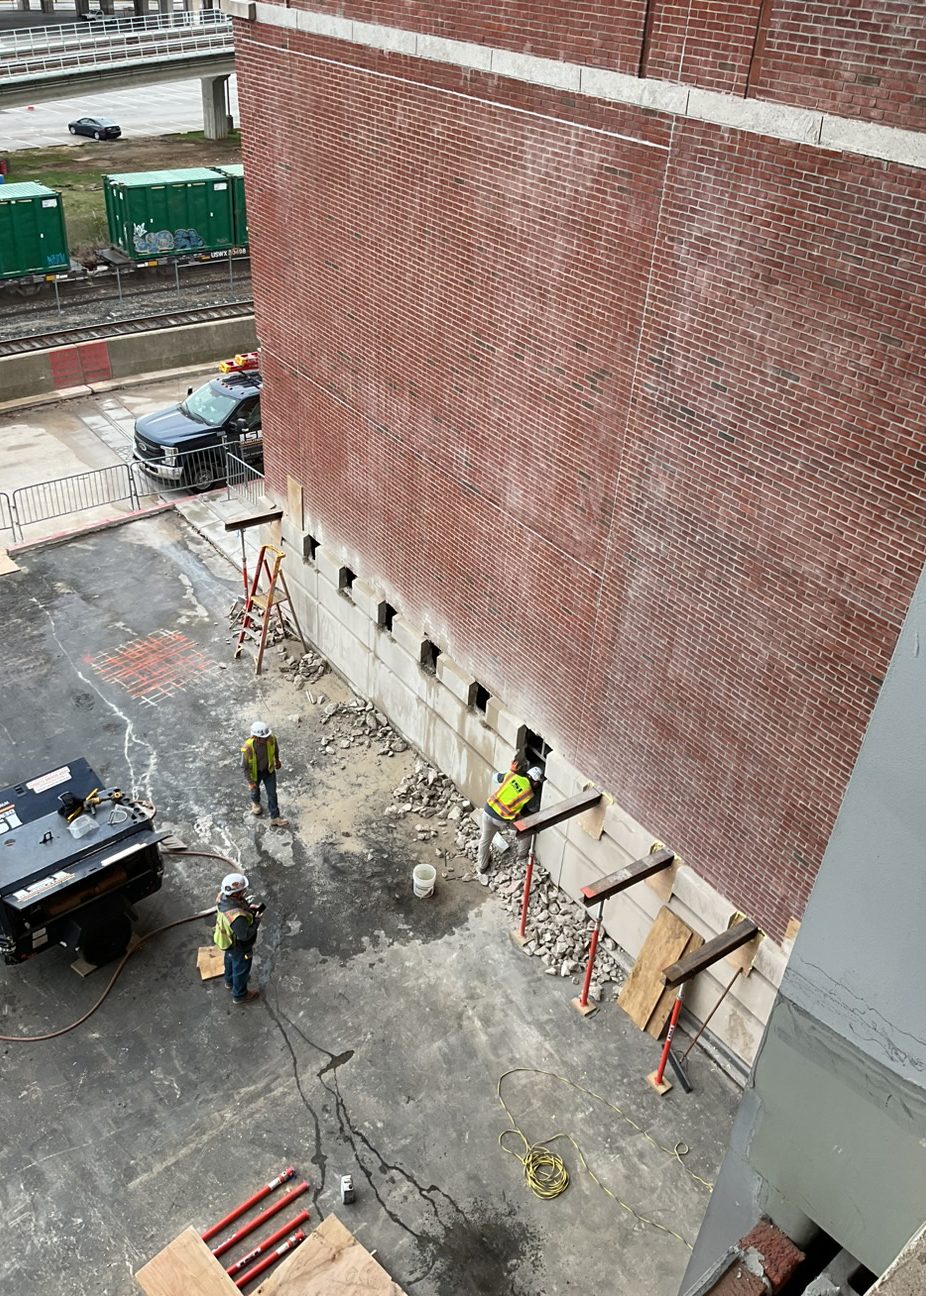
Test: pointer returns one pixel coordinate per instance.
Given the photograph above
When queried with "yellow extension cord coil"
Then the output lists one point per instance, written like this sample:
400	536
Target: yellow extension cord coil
546	1172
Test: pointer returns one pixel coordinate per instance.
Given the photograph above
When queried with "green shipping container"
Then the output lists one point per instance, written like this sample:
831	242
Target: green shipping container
169	213
32	234
235	172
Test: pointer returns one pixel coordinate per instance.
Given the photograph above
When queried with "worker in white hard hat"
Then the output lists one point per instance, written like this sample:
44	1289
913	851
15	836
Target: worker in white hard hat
260	760
511	798
236	923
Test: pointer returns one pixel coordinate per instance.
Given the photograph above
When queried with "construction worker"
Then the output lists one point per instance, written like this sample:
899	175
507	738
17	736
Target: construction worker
508	802
260	760
236	923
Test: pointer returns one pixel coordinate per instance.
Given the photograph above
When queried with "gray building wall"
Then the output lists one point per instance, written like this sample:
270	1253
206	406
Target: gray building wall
831	1131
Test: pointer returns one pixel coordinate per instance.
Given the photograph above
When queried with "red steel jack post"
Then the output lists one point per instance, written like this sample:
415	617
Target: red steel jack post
256	1252
528	879
289	1245
268	1188
657	1078
582	1004
256	1222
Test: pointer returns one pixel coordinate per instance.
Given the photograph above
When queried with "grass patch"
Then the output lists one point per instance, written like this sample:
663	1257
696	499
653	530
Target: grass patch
77	171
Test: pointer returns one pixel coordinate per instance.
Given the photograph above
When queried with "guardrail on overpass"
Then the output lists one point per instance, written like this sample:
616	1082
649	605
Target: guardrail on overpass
42	63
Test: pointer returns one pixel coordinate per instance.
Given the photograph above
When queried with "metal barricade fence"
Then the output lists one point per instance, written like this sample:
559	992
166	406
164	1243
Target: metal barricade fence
243	480
152	472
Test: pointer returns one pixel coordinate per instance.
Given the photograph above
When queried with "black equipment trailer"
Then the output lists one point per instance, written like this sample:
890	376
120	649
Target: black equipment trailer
72	866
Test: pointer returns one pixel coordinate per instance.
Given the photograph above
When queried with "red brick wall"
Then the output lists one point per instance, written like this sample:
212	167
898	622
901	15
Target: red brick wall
703	367
708	43
598	32
862	59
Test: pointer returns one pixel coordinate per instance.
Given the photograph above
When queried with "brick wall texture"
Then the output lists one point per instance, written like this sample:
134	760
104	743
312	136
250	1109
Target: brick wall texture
624	411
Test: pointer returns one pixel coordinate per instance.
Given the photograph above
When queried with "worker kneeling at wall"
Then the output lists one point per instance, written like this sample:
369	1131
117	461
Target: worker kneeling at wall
236	922
507	803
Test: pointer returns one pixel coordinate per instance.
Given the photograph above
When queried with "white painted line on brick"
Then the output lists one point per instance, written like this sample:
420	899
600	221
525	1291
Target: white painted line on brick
459	94
809	126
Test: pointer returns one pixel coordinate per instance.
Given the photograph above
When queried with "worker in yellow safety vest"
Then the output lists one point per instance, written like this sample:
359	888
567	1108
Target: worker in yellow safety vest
260	760
508	802
236	923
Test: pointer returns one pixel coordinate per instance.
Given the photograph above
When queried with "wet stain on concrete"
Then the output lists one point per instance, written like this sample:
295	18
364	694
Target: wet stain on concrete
482	1253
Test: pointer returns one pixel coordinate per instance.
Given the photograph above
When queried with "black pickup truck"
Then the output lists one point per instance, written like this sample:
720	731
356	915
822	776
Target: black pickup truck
185	445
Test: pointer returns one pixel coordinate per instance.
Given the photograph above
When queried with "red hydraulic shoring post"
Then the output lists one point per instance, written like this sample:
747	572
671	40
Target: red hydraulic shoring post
256	1222
592	951
528	879
673	1021
256	1252
268	1188
289	1245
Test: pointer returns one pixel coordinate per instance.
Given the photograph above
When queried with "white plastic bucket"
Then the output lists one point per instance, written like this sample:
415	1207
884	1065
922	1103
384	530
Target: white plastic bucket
423	878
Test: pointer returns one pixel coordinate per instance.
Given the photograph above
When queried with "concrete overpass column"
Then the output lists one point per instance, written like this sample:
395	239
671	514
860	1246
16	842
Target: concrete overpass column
216	121
140	7
107	6
47	6
166	6
23	4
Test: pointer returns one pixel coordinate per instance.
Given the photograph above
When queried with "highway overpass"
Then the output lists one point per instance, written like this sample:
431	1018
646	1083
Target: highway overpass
42	63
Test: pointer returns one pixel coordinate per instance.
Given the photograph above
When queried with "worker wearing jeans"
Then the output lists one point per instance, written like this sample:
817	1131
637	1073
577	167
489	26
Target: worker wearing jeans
260	760
236	923
512	796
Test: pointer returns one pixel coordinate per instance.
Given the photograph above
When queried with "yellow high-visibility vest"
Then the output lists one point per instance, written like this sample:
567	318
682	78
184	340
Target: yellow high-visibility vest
512	796
223	936
250	757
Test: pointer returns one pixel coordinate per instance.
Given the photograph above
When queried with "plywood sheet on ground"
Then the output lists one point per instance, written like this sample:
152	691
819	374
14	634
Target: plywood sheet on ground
663	1010
186	1265
644	987
330	1260
211	961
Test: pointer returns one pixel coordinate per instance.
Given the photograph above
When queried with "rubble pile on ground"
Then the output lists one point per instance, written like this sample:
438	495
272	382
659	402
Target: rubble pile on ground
359	724
558	929
431	795
304	670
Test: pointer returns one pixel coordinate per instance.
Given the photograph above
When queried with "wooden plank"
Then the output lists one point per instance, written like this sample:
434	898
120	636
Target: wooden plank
626	877
329	1260
661	1013
186	1265
558	813
210	961
717	947
643	989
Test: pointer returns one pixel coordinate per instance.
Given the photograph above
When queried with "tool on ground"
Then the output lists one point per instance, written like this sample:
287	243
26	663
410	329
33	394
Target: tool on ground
284	1201
347	1190
289	1245
68	876
680	1073
546	1172
266	602
283	1177
262	1247
658	1077
703	1027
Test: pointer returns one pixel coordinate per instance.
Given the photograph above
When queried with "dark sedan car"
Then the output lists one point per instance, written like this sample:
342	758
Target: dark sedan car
96	127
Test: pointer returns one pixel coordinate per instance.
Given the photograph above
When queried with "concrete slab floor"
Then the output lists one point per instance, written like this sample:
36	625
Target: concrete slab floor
384	1023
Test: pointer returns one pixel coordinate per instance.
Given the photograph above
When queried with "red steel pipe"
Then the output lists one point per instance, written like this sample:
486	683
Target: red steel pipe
256	1252
289	1245
673	1020
268	1188
256	1222
592	951
528	878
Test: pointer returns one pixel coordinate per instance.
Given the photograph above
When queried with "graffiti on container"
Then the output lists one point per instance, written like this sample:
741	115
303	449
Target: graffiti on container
157	242
57	259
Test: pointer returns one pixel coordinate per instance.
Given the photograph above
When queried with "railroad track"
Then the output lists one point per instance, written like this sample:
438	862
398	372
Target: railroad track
124	327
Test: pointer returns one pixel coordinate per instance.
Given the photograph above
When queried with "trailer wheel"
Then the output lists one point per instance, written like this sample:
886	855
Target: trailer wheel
108	941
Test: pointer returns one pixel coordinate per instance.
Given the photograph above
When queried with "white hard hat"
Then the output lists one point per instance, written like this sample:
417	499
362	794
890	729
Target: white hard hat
234	884
535	773
260	729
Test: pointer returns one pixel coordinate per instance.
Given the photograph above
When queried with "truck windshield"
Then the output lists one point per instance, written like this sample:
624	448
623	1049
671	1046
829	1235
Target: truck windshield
209	406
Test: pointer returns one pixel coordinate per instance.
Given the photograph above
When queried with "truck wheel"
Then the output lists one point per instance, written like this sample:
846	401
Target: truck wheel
108	941
202	478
